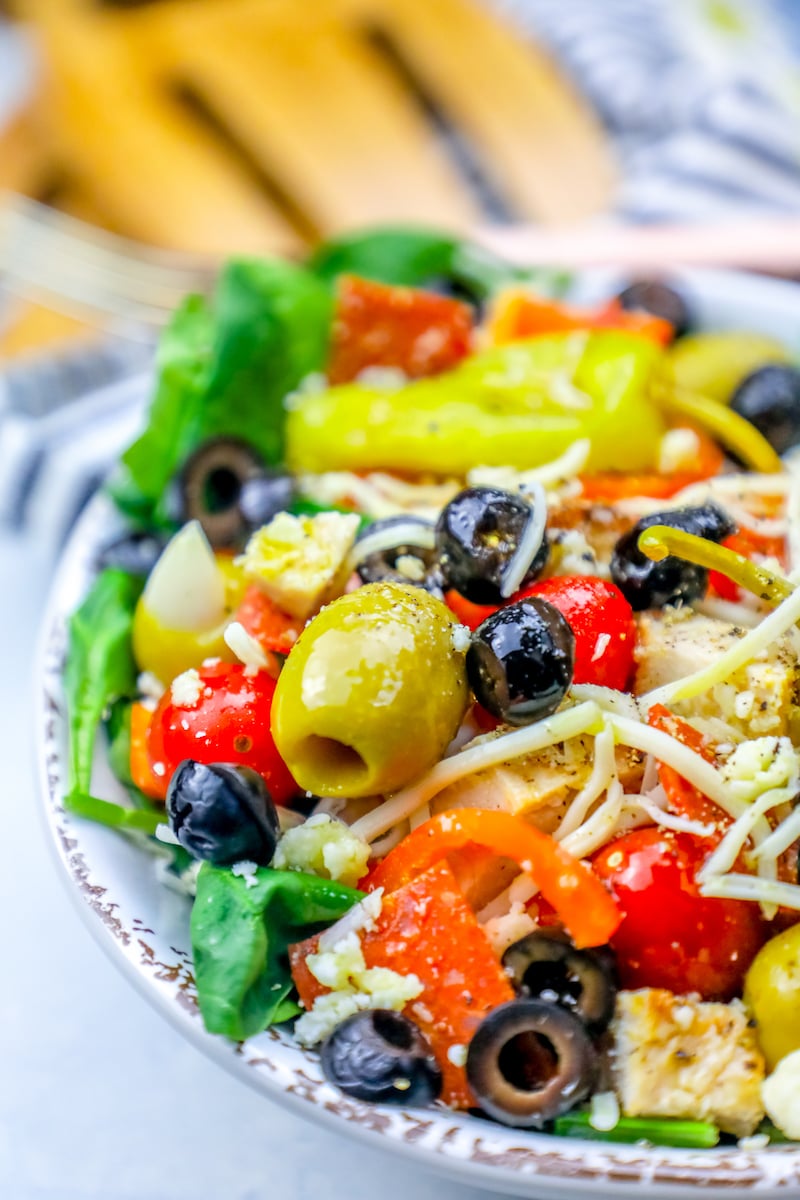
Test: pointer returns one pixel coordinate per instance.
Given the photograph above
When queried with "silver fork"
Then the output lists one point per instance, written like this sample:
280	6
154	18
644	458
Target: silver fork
51	258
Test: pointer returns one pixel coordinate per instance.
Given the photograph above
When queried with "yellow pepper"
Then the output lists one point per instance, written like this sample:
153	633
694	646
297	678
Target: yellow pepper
181	616
519	405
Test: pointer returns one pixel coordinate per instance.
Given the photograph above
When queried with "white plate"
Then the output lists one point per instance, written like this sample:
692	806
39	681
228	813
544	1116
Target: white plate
144	927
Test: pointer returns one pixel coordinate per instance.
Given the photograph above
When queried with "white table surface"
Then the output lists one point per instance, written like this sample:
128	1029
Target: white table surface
162	1122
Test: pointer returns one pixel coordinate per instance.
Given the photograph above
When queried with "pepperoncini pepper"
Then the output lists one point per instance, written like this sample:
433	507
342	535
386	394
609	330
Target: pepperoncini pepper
518	405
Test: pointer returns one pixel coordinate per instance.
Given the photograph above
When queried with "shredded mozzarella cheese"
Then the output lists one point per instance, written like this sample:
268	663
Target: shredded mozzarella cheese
529	544
747	648
508	746
552	474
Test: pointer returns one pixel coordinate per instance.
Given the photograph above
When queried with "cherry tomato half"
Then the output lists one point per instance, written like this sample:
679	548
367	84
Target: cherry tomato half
228	722
671	936
603	624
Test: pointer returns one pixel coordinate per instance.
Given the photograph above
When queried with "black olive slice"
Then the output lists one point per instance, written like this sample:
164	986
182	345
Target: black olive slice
211	487
672	581
223	813
545	965
382	1056
530	1062
520	661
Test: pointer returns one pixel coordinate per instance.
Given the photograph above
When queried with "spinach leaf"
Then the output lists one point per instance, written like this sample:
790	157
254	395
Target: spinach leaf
182	364
226	368
99	670
240	937
414	257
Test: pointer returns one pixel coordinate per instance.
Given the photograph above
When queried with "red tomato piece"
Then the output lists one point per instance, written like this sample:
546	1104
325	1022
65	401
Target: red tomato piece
671	936
469	614
229	722
272	628
684	798
603	624
376	325
427	929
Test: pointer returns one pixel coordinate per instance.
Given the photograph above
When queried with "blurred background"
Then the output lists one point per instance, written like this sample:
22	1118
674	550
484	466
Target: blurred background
175	132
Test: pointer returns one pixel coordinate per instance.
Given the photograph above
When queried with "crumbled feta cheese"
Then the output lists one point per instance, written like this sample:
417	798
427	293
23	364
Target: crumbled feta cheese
300	562
334	968
382	379
504	930
245	647
462	637
355	987
323	847
186	689
760	764
604	1112
149	686
757	1141
600	646
361	918
165	834
327	1012
575	555
781	1094
410	567
457	1054
678	450
248	871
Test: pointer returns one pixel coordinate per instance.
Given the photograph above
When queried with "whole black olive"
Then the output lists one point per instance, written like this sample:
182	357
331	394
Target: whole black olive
477	535
655	297
223	813
418	564
136	553
770	399
382	1056
530	1062
546	966
211	486
648	584
520	661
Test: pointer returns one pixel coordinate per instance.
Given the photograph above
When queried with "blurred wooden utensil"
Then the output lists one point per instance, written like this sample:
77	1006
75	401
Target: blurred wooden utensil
770	245
221	125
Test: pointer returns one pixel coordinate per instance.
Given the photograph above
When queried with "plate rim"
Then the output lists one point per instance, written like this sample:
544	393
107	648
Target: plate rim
458	1145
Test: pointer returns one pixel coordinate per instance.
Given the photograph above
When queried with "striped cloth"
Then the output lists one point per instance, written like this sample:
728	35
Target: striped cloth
701	97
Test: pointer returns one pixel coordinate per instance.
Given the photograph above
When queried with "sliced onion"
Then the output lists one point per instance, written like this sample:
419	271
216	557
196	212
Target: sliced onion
411	531
530	541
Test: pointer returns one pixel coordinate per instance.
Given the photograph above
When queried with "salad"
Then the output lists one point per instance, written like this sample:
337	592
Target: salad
449	655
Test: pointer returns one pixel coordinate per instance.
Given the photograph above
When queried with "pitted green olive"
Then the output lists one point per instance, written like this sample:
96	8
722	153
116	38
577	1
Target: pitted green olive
772	993
372	692
714	364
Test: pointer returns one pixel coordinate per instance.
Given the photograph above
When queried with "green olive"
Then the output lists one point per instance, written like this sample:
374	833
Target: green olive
714	364
372	692
772	992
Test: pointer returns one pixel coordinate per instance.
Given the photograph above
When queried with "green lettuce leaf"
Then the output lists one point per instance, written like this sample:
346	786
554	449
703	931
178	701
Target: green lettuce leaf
413	257
240	937
99	671
226	368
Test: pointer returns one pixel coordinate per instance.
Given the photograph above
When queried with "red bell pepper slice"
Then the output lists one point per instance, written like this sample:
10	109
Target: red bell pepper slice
273	629
427	929
683	797
609	486
518	315
141	772
580	899
376	325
